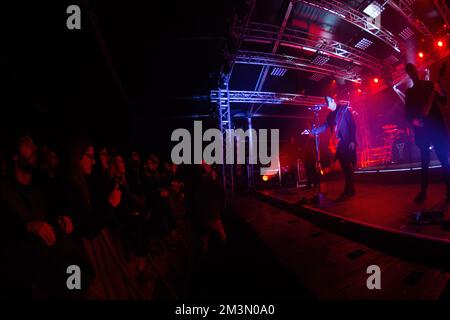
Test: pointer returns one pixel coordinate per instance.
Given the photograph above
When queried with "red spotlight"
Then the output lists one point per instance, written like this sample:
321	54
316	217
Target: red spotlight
440	43
265	178
376	80
421	55
359	91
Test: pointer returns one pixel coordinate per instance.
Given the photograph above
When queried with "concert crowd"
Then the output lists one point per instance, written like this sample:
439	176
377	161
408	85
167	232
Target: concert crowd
126	220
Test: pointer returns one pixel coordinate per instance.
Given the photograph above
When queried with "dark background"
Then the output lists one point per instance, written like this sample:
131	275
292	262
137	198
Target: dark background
56	81
129	81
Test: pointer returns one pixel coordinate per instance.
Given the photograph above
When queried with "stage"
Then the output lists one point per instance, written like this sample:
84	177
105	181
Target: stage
382	214
330	264
398	167
386	207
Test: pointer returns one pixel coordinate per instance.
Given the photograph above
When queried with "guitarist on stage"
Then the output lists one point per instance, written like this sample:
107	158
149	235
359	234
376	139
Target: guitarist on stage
343	127
422	111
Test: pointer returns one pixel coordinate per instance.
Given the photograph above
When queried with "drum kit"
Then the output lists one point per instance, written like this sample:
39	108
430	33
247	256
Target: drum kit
398	139
391	133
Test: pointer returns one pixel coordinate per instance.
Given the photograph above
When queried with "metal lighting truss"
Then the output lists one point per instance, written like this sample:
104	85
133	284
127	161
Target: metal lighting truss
223	105
295	38
268	98
296	63
240	33
356	18
399	75
443	10
276	42
402	7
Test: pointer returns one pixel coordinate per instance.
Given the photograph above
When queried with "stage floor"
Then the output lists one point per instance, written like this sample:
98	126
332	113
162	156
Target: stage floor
383	206
332	266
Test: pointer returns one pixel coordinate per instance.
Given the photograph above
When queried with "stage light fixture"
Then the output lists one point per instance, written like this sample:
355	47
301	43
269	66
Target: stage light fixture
406	33
278	72
376	80
265	178
440	43
421	55
320	60
374	9
317	77
363	44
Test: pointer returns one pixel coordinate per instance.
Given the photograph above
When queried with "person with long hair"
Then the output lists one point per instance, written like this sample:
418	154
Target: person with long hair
92	213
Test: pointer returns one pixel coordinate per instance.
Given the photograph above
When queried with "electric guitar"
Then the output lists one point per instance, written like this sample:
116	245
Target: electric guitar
334	139
333	143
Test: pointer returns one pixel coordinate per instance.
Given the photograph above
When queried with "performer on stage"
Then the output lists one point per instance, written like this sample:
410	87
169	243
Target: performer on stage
343	127
428	130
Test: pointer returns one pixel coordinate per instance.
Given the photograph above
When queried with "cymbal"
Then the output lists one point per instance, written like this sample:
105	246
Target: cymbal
389	126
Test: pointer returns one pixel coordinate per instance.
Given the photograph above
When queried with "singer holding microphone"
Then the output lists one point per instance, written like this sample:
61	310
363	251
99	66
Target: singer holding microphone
343	130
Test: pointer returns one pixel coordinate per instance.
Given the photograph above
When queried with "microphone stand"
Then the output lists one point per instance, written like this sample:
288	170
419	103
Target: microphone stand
319	197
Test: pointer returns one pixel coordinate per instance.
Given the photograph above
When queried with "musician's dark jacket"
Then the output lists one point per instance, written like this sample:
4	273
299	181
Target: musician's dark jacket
416	98
346	132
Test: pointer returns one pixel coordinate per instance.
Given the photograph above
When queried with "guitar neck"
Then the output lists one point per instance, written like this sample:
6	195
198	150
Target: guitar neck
429	103
432	96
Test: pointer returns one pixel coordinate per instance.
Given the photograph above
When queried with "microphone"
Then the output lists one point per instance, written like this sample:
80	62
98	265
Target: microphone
317	107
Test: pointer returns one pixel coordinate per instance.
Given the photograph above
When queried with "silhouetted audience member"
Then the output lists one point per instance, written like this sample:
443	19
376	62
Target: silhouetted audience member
37	248
175	188
103	157
62	209
176	192
209	203
48	177
92	215
131	215
101	179
135	167
152	178
156	194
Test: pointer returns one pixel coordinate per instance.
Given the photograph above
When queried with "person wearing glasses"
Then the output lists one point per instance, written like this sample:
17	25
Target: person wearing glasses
93	214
